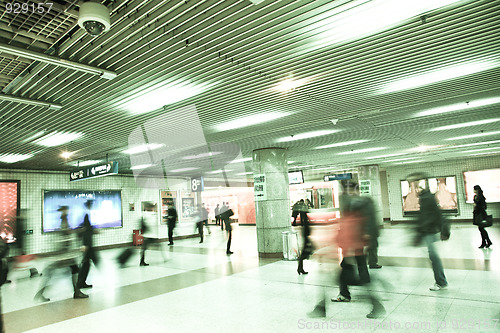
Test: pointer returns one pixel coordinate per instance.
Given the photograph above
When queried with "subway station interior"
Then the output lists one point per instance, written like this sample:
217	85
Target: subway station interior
114	110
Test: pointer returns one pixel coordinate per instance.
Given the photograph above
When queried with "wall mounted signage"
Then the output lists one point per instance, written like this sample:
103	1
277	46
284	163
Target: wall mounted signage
340	176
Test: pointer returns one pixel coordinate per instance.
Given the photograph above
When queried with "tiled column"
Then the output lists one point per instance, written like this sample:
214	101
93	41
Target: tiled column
372	173
272	212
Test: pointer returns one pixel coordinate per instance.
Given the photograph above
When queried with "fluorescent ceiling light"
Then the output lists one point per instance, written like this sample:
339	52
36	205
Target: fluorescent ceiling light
424	148
438	75
462	125
143	148
384	156
13	158
218	171
459	106
300	166
361	151
476	144
183	169
362	18
400	159
85	163
326	168
307	135
244	173
245	159
490	153
45	58
203	155
249	121
141	166
159	95
339	144
289	84
57	138
410	162
482	149
67	154
29	101
290	162
473	136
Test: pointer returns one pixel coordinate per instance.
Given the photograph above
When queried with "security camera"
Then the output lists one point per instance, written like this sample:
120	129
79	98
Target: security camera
94	18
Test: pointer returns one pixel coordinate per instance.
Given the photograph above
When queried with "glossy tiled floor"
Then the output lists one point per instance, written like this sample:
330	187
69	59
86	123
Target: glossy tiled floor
194	287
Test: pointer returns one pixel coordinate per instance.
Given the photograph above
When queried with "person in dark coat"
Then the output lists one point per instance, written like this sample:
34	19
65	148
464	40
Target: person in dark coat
87	233
307	246
295	212
171	222
225	214
217	216
479	214
430	222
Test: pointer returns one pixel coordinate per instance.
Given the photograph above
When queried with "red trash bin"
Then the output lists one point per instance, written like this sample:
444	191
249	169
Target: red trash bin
137	238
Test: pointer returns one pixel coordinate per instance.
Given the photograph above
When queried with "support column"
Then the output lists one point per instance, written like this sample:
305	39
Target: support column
272	203
369	184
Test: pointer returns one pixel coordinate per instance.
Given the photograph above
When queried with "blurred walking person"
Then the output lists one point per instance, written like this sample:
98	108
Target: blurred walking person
204	213
307	246
171	222
217	216
65	258
479	214
430	222
87	233
226	214
147	227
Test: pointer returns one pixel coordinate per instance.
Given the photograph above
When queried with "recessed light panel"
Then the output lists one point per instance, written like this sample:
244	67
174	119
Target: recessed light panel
439	75
13	158
57	138
468	124
249	121
361	18
143	148
141	166
183	169
85	163
478	135
459	106
160	95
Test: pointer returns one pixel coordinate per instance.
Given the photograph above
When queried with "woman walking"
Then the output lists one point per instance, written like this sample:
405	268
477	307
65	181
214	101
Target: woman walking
479	214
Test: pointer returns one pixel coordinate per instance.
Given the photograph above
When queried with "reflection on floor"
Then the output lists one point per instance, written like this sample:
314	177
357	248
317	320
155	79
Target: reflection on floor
192	287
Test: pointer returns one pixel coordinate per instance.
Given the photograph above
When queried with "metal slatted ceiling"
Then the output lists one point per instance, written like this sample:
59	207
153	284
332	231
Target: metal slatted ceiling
245	50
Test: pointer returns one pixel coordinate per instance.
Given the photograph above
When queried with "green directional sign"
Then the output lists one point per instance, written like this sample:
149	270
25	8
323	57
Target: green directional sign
99	170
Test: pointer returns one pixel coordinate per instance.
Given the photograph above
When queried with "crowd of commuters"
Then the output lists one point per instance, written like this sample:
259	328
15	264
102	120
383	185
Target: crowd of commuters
357	238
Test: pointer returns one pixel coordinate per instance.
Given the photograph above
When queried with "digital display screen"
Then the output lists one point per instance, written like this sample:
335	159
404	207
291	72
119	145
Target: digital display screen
489	180
295	177
106	210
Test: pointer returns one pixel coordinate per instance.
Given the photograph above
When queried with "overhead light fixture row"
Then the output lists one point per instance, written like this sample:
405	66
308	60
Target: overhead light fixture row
459	106
468	124
56	138
45	58
13	158
471	136
29	101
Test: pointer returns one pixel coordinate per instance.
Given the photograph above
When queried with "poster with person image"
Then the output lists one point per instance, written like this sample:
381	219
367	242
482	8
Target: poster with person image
444	188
